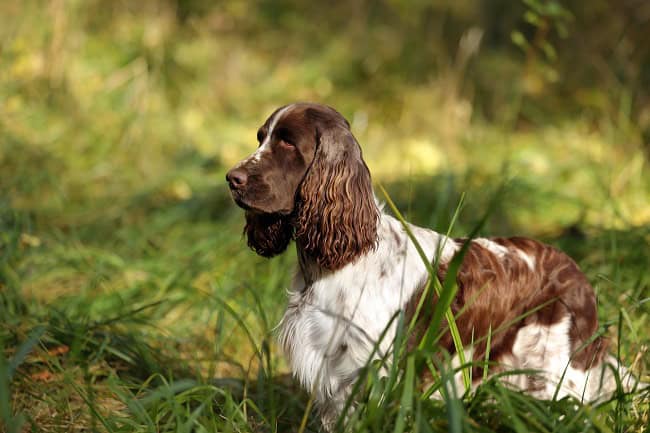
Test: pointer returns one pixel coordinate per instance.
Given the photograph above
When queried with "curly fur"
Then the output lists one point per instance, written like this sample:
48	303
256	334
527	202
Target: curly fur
268	234
337	215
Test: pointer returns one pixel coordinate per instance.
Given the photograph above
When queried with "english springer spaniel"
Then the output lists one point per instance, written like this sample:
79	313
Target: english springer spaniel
357	268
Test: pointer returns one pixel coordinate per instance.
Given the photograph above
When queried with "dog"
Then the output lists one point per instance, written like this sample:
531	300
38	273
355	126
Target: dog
358	267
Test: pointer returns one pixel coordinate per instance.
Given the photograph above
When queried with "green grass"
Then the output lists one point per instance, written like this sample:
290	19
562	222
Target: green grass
128	299
146	312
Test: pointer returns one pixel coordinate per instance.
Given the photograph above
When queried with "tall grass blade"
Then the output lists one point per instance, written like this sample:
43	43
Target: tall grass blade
408	397
448	294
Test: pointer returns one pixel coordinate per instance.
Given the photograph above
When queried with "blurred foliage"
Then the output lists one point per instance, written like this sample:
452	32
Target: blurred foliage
576	58
120	94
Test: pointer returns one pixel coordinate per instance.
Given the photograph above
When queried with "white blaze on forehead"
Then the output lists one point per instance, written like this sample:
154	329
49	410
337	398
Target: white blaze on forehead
265	144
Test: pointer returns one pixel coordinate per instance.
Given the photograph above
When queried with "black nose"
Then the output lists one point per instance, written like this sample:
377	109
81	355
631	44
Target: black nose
236	178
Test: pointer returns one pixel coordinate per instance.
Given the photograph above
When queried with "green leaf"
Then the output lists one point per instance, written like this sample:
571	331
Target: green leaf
518	39
532	18
549	51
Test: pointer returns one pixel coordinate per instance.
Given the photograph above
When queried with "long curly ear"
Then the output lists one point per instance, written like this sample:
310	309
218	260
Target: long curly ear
268	234
337	215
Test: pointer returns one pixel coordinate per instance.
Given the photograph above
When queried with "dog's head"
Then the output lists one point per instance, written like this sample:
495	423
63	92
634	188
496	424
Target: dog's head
307	179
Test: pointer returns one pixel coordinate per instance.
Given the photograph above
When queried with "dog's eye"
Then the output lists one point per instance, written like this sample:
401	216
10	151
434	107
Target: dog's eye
287	143
285	137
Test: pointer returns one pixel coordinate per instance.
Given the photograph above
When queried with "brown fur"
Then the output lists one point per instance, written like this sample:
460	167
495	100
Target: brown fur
494	291
318	190
337	215
268	234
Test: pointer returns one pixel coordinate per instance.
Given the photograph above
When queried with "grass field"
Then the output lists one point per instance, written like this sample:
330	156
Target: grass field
128	298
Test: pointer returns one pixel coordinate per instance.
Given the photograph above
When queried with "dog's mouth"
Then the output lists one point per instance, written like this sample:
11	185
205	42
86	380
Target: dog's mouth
237	196
245	204
258	207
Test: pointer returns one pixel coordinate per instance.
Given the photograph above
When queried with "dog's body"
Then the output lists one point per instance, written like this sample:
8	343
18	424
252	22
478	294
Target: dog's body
332	325
358	268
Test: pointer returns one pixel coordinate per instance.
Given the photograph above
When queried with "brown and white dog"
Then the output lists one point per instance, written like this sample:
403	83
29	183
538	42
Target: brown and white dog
307	181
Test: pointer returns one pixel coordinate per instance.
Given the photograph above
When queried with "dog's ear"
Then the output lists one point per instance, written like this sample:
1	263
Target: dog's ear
268	234
337	215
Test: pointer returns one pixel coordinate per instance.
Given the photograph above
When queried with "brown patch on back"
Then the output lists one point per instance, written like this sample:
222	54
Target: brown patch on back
494	291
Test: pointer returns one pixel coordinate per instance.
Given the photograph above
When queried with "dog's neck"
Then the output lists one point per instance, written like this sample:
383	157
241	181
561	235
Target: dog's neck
309	267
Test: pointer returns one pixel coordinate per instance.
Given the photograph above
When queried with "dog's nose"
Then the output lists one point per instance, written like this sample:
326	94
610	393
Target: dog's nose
236	178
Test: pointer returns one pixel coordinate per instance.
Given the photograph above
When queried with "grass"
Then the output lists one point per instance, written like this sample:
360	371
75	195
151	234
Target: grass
128	300
149	314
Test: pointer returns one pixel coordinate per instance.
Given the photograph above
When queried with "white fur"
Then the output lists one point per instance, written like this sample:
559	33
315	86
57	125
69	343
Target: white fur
498	250
265	145
530	261
547	350
544	352
330	328
501	251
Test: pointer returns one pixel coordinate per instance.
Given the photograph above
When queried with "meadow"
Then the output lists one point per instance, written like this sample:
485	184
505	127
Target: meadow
129	301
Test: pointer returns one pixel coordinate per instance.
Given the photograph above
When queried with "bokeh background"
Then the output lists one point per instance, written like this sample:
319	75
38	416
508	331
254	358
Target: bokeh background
122	265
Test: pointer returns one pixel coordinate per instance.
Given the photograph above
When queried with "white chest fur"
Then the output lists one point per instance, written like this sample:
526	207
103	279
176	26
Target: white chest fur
331	326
